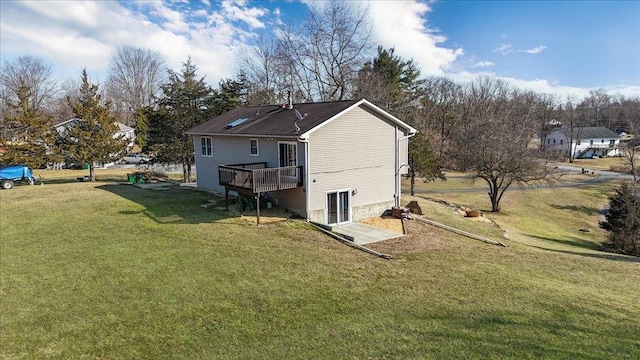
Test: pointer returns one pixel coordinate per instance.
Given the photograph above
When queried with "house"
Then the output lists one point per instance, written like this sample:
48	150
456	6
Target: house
587	142
123	132
329	162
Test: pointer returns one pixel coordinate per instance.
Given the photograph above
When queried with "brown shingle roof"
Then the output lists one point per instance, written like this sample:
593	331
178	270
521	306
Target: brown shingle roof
273	120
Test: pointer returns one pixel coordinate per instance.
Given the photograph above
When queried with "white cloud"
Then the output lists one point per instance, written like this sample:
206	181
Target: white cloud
483	63
503	49
535	50
402	26
74	35
237	11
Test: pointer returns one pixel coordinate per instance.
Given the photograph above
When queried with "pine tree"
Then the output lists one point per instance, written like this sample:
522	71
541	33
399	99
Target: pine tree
623	220
90	139
186	102
31	136
423	161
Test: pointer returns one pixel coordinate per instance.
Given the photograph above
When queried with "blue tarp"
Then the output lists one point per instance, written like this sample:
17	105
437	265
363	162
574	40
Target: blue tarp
17	172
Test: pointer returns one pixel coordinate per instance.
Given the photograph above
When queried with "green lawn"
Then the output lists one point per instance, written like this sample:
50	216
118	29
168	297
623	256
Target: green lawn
111	271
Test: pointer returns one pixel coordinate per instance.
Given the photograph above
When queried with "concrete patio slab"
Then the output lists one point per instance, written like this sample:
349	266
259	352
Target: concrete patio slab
362	234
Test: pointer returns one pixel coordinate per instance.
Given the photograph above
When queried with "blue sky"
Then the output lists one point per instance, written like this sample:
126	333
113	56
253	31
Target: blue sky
560	47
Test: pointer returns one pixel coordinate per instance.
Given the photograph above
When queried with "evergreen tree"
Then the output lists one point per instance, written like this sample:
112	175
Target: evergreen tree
389	82
31	136
423	161
623	220
90	139
186	102
142	126
231	94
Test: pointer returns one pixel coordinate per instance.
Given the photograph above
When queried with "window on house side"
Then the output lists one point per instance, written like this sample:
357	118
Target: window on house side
561	142
207	146
548	141
253	143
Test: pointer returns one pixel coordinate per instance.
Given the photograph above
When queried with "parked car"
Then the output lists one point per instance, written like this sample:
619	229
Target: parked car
136	159
17	173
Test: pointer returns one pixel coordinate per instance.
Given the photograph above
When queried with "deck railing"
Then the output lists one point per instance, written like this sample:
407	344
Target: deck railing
256	177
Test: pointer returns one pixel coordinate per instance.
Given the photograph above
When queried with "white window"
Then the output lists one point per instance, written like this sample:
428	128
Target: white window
253	143
207	146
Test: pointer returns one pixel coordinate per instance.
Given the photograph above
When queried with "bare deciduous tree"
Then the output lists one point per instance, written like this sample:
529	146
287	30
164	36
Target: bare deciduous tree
631	154
441	98
595	108
495	147
31	74
628	114
265	71
326	53
135	76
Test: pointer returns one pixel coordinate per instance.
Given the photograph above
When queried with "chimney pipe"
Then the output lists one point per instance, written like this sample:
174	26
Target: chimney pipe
290	100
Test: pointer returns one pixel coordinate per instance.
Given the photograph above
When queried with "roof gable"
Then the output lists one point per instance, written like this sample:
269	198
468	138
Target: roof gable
280	120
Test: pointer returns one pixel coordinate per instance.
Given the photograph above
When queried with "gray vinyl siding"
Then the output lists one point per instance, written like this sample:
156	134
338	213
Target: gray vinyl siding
236	150
356	152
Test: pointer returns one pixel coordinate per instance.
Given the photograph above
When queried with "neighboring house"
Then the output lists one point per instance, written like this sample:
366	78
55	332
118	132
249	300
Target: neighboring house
330	162
587	142
123	132
126	132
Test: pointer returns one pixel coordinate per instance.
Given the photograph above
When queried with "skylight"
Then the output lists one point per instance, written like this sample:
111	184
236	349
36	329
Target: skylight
236	122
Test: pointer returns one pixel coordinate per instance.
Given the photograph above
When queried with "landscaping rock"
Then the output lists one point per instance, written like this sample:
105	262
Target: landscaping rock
414	207
472	213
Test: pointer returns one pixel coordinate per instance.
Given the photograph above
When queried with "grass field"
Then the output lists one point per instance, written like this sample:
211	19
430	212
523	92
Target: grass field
111	271
606	163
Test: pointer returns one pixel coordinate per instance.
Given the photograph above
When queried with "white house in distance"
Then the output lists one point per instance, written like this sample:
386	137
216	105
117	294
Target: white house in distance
329	162
587	142
124	131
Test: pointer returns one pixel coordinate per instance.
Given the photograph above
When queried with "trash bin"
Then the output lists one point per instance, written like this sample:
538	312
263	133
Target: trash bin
131	178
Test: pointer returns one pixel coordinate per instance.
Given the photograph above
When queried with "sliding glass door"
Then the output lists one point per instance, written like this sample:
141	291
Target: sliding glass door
288	154
338	207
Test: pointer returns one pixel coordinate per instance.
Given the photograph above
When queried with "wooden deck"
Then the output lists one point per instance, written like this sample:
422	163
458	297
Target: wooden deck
258	178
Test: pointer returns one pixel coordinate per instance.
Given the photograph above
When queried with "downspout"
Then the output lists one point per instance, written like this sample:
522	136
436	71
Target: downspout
398	165
307	173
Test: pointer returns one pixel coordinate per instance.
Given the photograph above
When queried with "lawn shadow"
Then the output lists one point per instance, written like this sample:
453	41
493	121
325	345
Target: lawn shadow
587	210
81	177
173	204
574	241
605	256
